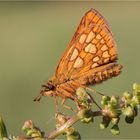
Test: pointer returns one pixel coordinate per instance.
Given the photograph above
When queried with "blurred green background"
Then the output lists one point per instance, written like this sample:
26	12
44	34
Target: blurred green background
33	36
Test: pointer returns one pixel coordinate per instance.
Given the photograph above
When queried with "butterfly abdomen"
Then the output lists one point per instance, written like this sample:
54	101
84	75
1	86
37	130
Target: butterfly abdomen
106	71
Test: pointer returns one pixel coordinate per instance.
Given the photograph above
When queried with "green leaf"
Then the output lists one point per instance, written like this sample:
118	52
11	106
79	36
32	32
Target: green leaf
3	130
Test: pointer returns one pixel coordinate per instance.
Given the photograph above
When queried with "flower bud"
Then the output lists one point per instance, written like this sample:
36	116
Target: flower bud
103	125
136	100
60	118
84	99
114	101
87	120
36	135
129	119
27	125
113	113
105	122
115	130
85	116
70	130
128	111
136	87
81	93
127	95
115	120
73	136
105	100
30	132
110	112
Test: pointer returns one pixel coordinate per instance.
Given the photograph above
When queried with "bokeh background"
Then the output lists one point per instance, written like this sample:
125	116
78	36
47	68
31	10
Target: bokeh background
33	36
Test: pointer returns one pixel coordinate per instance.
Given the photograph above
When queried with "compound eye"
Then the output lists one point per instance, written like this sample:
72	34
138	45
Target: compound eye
51	87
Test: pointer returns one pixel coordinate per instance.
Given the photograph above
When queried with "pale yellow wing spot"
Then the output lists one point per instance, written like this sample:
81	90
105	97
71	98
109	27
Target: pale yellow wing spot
78	63
104	48
91	48
98	36
82	38
105	54
91	35
95	59
94	65
74	54
106	60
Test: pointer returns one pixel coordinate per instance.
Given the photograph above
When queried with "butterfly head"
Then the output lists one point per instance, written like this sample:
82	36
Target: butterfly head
46	90
48	87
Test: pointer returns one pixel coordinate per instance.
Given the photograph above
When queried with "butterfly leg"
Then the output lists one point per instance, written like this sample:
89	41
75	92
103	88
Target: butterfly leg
93	90
93	101
66	106
56	103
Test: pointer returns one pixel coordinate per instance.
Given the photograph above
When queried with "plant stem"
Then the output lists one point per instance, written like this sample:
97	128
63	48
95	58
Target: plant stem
61	130
68	124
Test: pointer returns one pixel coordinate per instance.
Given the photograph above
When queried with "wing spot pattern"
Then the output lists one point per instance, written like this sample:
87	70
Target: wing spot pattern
91	35
91	48
78	63
94	65
82	38
104	48
98	36
92	39
105	54
74	54
106	60
95	59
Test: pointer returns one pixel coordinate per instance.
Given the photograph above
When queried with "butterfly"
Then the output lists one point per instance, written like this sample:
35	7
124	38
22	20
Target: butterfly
90	58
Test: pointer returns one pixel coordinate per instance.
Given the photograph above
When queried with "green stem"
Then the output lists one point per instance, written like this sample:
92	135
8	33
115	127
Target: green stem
62	129
68	124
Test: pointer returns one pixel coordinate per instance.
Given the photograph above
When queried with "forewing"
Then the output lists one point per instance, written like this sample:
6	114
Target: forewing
91	46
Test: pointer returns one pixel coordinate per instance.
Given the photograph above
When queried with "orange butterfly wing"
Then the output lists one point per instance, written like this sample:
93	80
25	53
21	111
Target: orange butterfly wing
91	47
